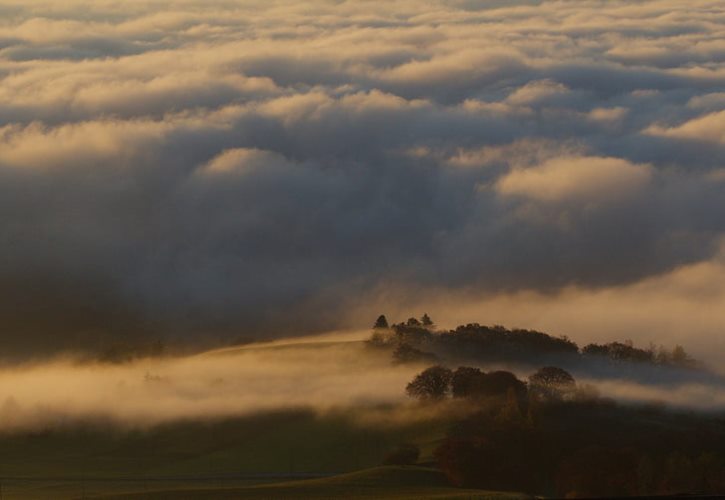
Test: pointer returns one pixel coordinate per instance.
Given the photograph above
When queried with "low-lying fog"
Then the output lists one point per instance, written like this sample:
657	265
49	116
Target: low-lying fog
318	373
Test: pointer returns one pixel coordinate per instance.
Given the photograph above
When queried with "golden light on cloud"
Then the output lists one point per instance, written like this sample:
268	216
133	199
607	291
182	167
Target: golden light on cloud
584	179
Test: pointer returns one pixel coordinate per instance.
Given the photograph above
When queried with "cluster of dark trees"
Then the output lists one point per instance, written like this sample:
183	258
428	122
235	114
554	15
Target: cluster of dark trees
435	383
548	436
417	340
586	448
626	351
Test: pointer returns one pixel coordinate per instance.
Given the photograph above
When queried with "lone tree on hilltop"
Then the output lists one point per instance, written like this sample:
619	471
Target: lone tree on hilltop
425	320
381	323
431	384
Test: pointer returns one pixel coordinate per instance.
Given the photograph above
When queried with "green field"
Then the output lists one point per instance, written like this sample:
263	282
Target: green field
77	461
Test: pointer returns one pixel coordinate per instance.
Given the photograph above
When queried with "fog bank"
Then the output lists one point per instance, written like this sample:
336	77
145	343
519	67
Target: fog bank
319	374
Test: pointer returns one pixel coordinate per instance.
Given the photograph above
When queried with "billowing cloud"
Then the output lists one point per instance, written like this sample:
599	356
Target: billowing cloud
197	170
580	179
708	128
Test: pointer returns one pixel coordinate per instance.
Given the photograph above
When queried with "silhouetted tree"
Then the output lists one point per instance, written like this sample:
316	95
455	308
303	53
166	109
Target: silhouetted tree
680	358
470	382
464	381
432	383
381	323
508	390
498	383
381	336
511	410
412	322
620	351
551	382
426	321
411	334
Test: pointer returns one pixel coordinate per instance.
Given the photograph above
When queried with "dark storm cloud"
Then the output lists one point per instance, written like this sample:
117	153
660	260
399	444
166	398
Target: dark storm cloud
181	168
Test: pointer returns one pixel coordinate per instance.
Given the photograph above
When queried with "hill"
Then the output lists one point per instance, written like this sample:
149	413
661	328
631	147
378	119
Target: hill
392	482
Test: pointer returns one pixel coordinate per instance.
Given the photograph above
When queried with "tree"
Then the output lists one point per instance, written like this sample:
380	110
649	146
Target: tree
426	321
412	322
498	383
552	383
677	357
680	357
470	382
464	381
381	323
431	384
511	410
407	333
381	338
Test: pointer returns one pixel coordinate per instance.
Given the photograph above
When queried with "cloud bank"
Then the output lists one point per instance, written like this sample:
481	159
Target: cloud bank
193	169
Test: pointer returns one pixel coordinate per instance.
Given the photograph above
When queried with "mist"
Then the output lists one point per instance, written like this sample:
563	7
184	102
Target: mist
224	383
334	373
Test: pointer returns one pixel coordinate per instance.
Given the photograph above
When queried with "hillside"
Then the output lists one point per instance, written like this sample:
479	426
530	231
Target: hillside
400	483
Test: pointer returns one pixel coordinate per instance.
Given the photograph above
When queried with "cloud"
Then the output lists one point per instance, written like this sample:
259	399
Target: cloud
537	91
198	170
579	179
707	128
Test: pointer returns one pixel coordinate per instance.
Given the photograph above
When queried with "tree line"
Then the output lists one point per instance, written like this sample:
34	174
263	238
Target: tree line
418	340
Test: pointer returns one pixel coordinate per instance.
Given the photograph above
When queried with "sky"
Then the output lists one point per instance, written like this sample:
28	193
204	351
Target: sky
256	169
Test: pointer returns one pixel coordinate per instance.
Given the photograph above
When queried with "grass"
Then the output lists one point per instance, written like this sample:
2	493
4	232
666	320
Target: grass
392	482
72	462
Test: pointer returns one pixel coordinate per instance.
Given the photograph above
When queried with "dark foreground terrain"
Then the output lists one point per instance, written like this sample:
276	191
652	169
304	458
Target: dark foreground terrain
393	482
